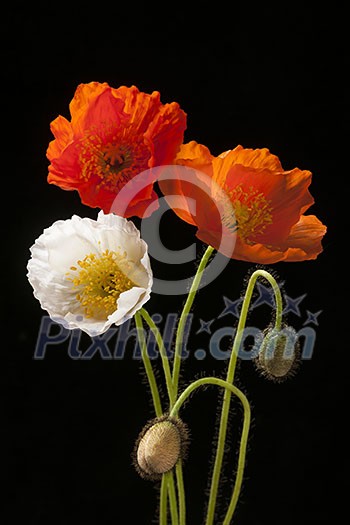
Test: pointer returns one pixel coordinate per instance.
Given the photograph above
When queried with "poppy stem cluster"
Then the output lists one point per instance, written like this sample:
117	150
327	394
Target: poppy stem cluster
119	146
175	401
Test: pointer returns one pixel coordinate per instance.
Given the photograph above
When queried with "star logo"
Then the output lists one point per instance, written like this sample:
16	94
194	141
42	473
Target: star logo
231	307
205	326
312	318
266	296
292	305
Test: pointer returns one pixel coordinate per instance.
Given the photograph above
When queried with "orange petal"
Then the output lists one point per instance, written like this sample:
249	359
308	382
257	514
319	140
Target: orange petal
165	133
64	171
195	156
194	161
103	111
140	107
83	96
304	243
102	115
187	191
257	253
62	131
286	193
249	158
305	239
173	190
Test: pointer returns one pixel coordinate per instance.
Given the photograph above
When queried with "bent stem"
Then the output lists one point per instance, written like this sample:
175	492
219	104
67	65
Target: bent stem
167	484
230	378
244	436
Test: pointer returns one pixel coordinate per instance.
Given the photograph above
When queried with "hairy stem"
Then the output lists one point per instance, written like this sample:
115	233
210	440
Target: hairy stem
177	362
167	484
181	493
162	350
230	378
186	310
148	366
244	436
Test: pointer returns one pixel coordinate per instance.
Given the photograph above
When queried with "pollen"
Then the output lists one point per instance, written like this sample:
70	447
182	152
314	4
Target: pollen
99	280
111	156
253	212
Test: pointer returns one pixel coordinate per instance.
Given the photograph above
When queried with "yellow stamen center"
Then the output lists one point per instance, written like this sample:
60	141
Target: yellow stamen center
253	212
112	157
100	281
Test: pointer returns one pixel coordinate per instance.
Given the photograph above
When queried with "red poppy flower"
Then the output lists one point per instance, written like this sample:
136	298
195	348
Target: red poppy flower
268	204
113	135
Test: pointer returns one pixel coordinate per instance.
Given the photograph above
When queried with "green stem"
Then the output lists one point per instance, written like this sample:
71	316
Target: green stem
162	350
148	366
168	485
186	310
163	511
181	493
244	437
241	463
208	381
177	363
230	379
169	480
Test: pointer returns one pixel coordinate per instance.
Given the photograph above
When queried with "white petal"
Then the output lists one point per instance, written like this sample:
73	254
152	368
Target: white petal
66	242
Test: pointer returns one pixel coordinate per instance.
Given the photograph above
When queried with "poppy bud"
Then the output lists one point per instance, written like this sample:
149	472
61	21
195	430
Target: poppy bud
161	443
279	353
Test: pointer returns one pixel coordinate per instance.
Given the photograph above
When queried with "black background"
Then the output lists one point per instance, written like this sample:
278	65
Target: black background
256	76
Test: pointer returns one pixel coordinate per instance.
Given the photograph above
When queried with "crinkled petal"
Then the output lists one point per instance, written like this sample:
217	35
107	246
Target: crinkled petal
256	159
114	135
62	130
165	133
84	95
285	193
304	243
305	239
65	243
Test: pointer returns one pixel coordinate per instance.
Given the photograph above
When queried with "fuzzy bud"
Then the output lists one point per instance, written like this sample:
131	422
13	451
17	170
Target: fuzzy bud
279	353
161	443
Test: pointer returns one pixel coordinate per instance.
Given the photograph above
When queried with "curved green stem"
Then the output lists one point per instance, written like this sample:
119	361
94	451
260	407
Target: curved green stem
167	485
148	366
162	350
186	310
230	379
244	437
208	381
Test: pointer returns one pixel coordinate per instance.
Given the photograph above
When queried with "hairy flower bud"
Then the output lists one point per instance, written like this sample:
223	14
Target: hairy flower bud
161	443
279	353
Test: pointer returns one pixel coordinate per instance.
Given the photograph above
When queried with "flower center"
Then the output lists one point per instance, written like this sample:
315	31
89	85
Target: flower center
252	212
113	158
100	281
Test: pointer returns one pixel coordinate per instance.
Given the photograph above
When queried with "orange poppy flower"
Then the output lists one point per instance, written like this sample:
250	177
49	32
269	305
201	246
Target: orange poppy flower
113	135
266	204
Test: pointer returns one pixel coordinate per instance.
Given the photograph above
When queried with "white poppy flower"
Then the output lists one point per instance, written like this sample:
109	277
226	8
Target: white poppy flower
90	274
